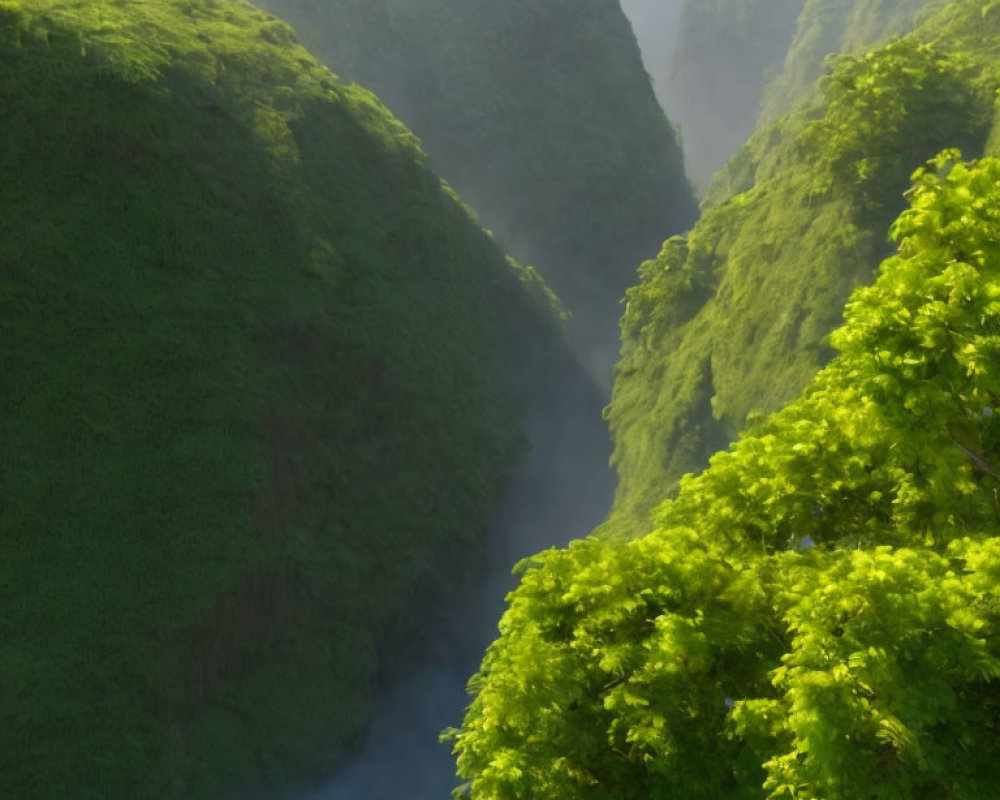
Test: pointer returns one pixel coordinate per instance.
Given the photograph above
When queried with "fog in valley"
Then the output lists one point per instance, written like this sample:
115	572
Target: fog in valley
325	315
709	75
709	65
563	488
561	491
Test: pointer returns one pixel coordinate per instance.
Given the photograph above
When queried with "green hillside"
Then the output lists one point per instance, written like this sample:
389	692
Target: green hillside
260	386
815	616
542	117
730	322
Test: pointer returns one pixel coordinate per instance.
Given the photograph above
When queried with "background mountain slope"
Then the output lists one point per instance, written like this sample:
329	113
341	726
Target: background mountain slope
734	61
262	374
833	26
542	117
725	54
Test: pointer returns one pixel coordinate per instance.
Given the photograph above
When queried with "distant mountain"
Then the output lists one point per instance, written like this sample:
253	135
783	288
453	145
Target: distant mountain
723	63
656	24
725	54
731	321
836	26
541	115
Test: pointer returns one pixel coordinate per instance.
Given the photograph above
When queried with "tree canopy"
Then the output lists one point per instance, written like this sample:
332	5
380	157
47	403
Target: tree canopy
817	615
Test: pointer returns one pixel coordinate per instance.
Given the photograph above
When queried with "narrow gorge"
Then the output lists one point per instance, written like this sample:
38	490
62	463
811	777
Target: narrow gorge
319	316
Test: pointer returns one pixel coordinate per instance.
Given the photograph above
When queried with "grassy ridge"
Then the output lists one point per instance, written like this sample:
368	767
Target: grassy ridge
253	396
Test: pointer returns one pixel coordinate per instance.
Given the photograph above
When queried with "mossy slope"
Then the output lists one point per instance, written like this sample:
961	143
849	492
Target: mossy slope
732	320
259	368
542	117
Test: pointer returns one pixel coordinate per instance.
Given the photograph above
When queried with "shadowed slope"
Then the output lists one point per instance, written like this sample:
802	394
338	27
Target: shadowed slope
261	377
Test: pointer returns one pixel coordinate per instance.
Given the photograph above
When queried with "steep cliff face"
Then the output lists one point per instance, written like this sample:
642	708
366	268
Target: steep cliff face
261	380
731	321
542	117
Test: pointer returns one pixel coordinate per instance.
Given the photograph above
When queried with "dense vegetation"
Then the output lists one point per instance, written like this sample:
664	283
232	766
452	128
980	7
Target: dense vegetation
542	117
815	616
263	372
260	380
730	322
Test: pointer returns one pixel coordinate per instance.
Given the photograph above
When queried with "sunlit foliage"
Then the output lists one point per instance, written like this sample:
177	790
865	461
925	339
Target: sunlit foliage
817	615
731	321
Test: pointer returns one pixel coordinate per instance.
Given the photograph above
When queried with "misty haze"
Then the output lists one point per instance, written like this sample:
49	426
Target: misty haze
550	399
